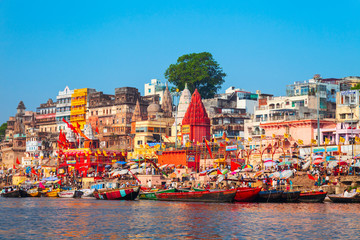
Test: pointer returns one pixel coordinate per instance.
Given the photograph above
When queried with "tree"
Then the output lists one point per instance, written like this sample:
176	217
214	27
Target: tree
2	130
356	87
198	70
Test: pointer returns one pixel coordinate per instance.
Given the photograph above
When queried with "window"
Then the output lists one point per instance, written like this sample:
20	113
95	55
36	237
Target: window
342	116
139	142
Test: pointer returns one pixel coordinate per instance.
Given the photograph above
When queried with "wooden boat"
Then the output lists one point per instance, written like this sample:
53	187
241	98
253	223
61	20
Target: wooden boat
152	196
269	196
312	196
10	192
290	196
52	193
339	198
66	194
246	194
117	193
199	196
87	193
34	192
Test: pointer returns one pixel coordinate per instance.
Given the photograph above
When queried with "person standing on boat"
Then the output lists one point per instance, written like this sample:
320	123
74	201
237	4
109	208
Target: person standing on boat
149	183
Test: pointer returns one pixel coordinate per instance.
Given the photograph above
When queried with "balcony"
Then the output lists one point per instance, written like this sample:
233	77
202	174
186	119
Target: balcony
78	111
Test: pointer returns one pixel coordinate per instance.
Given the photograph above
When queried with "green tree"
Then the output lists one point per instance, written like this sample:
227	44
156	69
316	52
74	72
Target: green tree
356	87
198	70
2	130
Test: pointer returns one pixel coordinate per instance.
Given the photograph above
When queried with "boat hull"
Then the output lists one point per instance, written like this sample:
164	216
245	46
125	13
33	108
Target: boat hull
199	196
152	195
53	193
341	199
34	192
246	194
270	196
312	197
290	196
118	194
12	194
66	194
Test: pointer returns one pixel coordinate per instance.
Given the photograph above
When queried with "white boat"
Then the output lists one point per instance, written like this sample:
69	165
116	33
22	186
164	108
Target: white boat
67	194
88	193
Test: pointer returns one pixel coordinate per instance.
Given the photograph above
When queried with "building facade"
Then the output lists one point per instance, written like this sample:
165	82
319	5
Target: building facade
63	108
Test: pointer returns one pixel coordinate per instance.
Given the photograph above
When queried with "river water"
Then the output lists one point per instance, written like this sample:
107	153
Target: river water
46	218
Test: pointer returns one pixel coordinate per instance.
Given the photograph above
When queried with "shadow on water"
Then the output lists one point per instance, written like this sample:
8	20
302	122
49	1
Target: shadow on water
44	218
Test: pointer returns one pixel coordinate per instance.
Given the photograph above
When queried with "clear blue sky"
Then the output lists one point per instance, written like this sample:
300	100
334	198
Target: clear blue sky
46	45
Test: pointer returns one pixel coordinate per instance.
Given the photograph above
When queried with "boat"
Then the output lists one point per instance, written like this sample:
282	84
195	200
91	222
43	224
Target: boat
269	196
340	198
66	194
152	196
34	192
312	196
292	196
117	193
246	194
52	193
199	196
87	193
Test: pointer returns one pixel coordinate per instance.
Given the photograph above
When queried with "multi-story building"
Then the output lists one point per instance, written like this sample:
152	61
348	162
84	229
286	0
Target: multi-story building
79	106
155	87
45	117
63	108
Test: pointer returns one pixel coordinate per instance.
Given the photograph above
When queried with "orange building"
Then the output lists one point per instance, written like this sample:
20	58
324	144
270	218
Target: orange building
188	158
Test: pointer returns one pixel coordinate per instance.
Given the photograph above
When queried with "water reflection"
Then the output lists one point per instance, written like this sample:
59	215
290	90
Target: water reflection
43	218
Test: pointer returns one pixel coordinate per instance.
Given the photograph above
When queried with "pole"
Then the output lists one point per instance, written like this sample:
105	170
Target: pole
318	110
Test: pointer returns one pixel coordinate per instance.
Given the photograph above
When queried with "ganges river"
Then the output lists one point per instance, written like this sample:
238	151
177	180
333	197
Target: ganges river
46	218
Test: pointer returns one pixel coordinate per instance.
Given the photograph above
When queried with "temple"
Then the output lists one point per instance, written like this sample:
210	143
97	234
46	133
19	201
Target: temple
196	123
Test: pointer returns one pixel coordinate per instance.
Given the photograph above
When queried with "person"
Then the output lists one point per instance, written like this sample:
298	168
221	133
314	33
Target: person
149	183
346	193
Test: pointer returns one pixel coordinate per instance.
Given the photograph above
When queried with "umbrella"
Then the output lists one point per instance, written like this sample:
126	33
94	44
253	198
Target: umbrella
306	165
258	173
318	161
142	165
286	174
134	166
269	164
285	163
357	164
108	166
163	166
247	166
225	171
130	163
121	162
275	175
330	158
173	175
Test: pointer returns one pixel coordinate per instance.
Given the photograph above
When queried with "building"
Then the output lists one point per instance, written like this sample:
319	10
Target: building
63	108
79	106
155	87
45	117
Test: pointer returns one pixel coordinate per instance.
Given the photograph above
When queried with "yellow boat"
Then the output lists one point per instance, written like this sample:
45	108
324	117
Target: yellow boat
53	193
34	192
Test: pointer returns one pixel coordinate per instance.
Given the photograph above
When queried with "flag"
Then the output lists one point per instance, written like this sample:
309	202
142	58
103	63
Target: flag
238	138
105	154
342	140
222	145
249	139
327	141
163	146
227	140
17	161
34	172
286	135
97	130
311	177
142	146
114	154
301	142
208	148
313	141
219	172
215	140
123	153
357	139
98	152
273	135
262	136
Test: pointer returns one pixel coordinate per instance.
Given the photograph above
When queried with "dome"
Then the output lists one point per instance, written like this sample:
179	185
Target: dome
154	108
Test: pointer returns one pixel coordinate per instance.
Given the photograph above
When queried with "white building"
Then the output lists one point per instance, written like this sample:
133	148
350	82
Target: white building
155	87
63	107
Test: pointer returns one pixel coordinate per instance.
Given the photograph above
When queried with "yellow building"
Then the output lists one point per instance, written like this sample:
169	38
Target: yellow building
79	105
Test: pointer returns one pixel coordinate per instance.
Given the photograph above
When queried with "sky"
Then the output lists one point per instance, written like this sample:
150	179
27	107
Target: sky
261	45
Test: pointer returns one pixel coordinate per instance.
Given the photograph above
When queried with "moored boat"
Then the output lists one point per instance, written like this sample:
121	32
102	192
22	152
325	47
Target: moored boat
10	192
66	194
117	193
290	196
340	198
269	196
34	192
87	193
312	196
246	194
52	193
199	196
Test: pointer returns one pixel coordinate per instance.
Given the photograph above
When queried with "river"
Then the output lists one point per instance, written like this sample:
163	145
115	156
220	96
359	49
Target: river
46	218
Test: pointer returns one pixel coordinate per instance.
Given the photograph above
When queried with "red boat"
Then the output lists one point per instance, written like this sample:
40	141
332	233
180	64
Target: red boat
117	194
246	194
312	196
199	196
